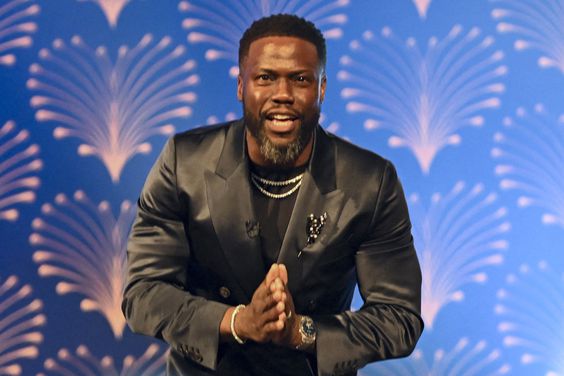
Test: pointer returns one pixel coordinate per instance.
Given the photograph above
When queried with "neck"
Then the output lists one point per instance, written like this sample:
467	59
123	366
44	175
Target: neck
255	155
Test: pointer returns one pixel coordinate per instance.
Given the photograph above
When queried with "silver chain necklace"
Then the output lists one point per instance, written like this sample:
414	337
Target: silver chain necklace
257	180
277	183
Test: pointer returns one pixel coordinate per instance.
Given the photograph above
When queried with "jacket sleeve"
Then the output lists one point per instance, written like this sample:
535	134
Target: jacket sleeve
388	324
156	301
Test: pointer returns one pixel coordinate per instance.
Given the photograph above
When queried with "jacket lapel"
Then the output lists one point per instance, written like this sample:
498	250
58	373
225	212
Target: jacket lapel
317	195
229	199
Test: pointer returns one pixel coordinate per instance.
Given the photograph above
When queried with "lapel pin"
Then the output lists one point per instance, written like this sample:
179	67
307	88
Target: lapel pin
314	225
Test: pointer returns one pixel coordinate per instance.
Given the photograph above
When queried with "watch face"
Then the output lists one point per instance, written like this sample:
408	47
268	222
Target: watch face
308	327
309	330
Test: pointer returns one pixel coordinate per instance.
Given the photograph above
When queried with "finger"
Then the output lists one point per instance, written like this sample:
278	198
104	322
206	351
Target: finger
285	290
287	299
261	292
263	300
283	316
277	285
283	272
277	322
273	312
274	326
272	274
266	303
281	307
277	290
278	296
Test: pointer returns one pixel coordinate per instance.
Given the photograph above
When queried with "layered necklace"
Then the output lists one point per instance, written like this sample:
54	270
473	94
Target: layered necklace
262	184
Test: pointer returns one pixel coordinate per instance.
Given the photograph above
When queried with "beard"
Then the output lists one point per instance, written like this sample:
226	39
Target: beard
276	154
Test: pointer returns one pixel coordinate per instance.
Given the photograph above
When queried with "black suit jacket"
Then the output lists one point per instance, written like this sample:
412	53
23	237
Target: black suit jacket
194	250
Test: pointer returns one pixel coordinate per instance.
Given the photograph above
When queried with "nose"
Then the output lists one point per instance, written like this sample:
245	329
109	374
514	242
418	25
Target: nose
283	92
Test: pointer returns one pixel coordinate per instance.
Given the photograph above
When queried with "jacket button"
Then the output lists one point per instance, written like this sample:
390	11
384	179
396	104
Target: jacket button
224	292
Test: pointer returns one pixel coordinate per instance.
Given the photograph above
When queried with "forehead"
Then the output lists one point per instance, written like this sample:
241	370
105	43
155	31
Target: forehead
281	51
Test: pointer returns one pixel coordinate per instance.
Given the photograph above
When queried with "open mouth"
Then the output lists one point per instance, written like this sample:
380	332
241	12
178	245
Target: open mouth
281	122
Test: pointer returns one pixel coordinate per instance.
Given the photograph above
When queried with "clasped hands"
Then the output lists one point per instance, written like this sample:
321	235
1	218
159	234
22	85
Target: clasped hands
270	316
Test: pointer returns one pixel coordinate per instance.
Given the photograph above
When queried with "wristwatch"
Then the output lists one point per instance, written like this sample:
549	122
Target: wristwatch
308	332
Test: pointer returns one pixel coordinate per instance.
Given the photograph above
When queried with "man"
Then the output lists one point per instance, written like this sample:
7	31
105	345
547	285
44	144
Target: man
251	235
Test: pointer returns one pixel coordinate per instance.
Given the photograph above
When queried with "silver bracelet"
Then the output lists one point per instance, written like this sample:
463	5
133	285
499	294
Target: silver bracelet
235	312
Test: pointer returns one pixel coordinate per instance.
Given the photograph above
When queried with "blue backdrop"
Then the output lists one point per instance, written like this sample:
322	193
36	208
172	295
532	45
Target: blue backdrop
465	97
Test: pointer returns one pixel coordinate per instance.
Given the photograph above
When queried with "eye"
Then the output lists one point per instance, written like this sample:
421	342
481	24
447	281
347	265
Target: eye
303	79
265	77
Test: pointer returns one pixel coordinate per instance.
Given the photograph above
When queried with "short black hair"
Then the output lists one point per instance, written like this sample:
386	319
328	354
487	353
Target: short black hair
286	25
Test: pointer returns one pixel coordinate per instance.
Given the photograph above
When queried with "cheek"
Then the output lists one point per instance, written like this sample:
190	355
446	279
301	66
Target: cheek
310	98
313	103
253	105
255	100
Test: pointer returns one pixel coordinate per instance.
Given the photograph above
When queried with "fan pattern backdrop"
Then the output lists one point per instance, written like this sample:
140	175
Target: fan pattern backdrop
465	97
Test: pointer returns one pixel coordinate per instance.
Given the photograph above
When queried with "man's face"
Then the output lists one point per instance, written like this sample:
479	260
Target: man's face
281	85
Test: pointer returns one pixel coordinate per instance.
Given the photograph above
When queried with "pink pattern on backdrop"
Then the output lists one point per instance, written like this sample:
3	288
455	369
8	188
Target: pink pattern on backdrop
111	8
538	24
20	319
83	362
214	119
530	155
422	7
456	238
113	107
222	24
84	246
530	308
463	359
19	165
16	27
332	127
423	98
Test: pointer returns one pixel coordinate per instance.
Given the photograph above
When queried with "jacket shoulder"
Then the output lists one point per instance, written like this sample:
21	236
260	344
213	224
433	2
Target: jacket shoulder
200	134
202	146
354	158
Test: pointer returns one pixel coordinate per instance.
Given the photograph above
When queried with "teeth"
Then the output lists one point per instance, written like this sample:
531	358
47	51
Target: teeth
281	117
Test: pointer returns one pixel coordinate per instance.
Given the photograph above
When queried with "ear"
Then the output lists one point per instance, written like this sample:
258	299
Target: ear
322	88
239	88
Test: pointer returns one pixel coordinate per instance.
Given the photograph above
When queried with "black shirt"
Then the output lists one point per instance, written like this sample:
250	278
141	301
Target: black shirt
273	214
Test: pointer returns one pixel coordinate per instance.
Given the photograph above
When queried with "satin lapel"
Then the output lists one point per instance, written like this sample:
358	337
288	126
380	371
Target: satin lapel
317	195
310	200
229	199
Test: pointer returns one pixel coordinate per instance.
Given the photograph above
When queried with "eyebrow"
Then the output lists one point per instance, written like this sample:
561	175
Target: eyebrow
272	71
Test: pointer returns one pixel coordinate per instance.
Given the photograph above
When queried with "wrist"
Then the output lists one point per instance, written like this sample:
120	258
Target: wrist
306	334
235	328
224	326
296	338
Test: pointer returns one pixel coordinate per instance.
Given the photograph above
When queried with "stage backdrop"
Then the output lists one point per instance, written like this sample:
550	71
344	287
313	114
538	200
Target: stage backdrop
465	97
